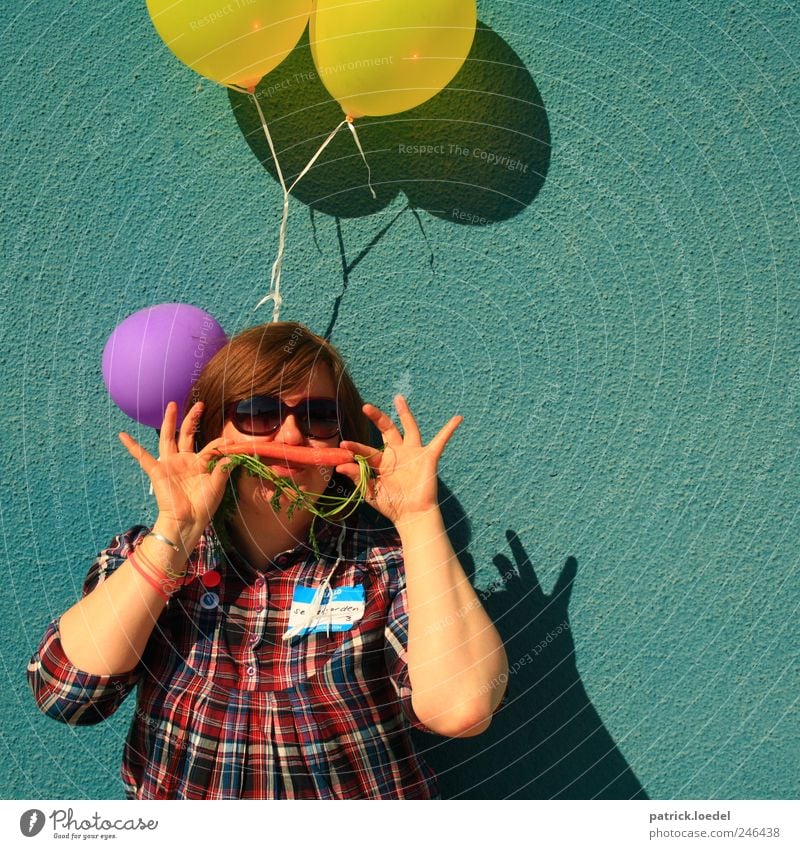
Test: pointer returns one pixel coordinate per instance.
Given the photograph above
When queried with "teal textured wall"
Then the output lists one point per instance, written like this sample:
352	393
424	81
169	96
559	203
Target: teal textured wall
621	337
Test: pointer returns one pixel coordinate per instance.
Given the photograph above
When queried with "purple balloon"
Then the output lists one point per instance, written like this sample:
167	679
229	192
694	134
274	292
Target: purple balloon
155	355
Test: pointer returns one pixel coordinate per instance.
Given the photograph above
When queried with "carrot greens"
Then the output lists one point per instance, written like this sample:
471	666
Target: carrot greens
323	505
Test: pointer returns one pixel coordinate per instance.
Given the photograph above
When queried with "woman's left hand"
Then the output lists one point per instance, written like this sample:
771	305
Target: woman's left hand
405	482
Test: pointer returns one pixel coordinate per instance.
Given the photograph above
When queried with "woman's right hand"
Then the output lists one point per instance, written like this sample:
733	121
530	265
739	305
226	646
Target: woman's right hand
187	494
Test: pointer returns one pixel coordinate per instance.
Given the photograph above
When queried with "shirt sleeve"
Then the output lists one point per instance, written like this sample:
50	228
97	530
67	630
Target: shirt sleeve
61	690
396	654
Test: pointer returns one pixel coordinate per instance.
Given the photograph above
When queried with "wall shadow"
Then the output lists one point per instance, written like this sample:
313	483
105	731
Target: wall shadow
475	154
548	741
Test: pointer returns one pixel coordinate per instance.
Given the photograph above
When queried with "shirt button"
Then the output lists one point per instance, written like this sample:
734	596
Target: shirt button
282	560
253	638
259	582
251	670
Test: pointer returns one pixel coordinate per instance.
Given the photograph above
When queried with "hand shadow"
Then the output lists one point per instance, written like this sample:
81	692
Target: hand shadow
547	741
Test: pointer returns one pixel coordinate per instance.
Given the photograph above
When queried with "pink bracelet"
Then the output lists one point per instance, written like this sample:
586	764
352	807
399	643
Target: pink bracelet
167	583
150	580
170	580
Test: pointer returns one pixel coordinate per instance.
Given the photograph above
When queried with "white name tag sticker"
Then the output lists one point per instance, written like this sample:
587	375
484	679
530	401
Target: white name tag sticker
341	608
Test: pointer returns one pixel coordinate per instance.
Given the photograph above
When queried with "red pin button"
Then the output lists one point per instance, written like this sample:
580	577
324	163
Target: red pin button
210	579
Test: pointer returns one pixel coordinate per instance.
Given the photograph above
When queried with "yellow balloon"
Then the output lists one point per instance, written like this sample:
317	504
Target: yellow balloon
387	56
233	42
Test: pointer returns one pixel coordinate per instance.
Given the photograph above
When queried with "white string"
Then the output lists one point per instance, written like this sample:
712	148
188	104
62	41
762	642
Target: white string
361	151
265	128
274	294
314	609
275	278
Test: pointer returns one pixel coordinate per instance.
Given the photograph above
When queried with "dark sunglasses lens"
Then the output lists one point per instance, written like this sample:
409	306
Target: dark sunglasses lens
322	418
258	416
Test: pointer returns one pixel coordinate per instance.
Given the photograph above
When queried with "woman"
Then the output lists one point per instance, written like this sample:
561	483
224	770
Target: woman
238	695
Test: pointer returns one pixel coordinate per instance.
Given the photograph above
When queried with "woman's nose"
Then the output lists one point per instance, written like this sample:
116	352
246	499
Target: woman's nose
289	432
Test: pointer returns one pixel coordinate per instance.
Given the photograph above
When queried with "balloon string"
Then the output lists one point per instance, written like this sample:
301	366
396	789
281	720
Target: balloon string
275	278
361	151
316	156
274	283
265	128
277	266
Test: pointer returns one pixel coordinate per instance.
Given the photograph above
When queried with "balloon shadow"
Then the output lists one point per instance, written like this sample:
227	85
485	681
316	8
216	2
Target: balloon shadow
476	153
548	741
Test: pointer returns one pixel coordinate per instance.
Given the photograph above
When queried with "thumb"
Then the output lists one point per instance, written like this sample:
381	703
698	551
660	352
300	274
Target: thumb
349	470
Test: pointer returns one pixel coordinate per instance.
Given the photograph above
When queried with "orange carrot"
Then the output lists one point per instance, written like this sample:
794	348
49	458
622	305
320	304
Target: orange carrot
303	455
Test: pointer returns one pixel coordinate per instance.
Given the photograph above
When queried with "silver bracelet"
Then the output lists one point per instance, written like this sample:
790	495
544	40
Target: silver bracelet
169	542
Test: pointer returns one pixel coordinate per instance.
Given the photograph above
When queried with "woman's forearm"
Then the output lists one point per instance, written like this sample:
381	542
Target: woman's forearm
106	632
456	660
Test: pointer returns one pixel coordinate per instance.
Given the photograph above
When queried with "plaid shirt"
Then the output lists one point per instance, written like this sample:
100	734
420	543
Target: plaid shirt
227	709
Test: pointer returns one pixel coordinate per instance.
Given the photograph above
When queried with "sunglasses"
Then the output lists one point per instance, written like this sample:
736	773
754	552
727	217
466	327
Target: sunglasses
317	418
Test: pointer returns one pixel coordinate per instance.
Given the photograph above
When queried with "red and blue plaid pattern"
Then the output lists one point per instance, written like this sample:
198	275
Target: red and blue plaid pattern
226	709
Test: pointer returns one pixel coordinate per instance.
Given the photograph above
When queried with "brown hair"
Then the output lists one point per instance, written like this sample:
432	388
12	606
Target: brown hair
273	359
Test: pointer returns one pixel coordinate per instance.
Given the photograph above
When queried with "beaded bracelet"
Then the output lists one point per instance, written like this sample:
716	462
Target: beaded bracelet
153	583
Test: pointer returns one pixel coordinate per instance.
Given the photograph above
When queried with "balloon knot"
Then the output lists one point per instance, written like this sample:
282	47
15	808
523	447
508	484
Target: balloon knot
251	89
348	118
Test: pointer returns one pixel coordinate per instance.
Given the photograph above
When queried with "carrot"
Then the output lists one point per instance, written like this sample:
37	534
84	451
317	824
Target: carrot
300	454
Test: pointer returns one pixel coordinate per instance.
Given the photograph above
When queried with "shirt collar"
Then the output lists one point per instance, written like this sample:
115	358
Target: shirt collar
209	554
